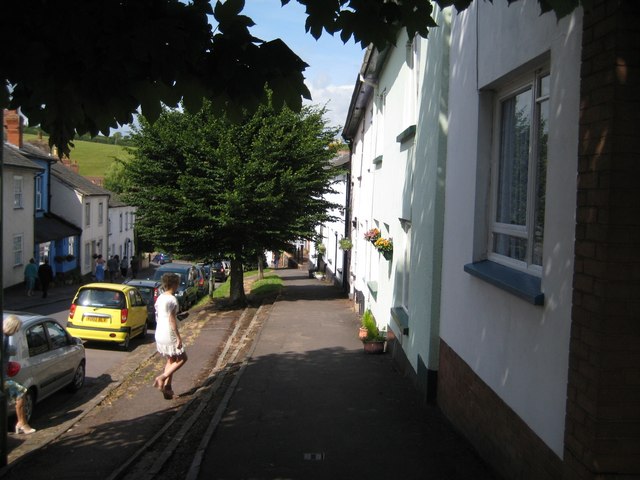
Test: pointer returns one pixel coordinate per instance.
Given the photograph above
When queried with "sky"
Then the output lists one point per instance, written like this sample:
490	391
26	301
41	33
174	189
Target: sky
333	66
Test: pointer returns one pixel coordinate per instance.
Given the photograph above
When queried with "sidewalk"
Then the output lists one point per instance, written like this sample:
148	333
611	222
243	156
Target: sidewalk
16	299
311	405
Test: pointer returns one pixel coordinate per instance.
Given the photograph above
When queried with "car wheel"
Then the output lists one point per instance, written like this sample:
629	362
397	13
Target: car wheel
78	379
145	330
127	341
29	404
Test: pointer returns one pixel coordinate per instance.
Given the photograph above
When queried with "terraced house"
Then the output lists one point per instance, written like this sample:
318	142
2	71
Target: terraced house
499	157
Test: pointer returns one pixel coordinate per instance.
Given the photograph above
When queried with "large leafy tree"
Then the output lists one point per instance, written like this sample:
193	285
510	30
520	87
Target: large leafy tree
207	186
85	66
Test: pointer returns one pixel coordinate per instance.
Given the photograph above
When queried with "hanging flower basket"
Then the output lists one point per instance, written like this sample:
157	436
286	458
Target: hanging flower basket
385	247
345	244
372	235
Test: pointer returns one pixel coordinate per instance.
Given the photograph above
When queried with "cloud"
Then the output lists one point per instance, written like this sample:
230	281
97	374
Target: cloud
335	98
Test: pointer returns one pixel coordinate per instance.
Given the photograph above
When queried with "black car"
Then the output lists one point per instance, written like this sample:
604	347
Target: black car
221	270
149	289
188	291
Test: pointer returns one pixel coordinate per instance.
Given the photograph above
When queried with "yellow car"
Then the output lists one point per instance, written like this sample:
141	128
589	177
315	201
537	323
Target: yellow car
108	312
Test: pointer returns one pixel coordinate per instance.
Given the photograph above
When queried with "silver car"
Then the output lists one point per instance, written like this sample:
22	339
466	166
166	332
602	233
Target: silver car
46	358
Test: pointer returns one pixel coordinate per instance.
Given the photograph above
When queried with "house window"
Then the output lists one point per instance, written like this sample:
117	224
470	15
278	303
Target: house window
517	229
17	191
126	221
100	213
120	222
87	256
18	243
71	246
39	192
87	214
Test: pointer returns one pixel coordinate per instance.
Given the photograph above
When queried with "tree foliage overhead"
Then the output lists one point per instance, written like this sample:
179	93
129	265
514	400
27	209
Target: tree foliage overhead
205	186
85	66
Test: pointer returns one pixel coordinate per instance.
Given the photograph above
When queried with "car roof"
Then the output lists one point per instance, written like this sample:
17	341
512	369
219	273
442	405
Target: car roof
143	283
120	287
27	318
175	267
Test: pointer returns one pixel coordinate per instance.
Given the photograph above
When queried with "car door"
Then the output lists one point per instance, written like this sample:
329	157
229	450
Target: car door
137	310
63	358
42	361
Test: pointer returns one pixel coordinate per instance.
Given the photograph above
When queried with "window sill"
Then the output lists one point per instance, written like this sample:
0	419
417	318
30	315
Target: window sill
401	317
521	284
373	288
377	160
407	134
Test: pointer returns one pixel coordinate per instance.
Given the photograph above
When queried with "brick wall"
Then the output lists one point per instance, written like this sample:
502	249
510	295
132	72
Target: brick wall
602	436
499	435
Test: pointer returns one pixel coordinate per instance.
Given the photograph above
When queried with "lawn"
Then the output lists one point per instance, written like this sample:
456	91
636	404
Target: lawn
270	284
93	159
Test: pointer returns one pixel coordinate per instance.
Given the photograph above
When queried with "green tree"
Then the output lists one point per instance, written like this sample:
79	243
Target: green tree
206	186
120	55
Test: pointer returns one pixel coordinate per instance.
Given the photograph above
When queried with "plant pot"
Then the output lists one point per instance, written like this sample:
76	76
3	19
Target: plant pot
362	334
387	255
373	346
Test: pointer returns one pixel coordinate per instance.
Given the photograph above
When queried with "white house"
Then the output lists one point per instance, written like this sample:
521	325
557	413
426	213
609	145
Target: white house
335	259
512	295
398	143
508	257
121	228
82	203
18	207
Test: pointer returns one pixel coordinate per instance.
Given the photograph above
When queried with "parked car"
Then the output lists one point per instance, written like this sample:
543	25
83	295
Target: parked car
46	359
162	258
108	312
149	289
202	281
221	270
187	293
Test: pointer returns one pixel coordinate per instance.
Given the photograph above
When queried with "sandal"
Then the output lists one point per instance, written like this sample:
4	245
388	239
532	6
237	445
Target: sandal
167	392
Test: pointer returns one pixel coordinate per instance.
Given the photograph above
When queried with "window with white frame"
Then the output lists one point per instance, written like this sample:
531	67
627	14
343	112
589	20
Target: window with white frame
39	192
87	214
18	248
87	256
120	222
18	184
71	246
126	220
100	213
519	176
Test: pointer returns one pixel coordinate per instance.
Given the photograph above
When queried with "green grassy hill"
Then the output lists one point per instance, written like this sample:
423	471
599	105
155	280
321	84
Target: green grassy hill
93	159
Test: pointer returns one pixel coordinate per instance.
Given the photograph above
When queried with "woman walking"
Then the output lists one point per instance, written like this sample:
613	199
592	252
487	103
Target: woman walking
168	341
15	392
30	276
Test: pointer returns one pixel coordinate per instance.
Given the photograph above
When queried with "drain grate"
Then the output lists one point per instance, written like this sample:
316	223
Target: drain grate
314	457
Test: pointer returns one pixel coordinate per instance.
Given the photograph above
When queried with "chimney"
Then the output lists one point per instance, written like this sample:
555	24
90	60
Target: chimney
13	127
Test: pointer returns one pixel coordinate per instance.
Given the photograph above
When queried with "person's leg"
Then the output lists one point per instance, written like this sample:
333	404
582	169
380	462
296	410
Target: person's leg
22	426
163	382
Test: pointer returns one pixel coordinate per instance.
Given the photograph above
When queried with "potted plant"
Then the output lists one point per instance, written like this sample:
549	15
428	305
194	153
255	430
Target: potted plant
384	246
321	248
374	341
345	243
372	235
367	317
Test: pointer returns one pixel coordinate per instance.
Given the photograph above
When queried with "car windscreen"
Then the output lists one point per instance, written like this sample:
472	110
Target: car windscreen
159	273
147	294
90	297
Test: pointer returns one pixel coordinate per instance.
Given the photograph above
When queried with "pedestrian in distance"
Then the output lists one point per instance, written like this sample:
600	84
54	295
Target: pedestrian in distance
14	391
134	266
168	340
124	266
112	267
30	276
45	275
100	266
